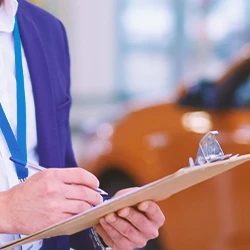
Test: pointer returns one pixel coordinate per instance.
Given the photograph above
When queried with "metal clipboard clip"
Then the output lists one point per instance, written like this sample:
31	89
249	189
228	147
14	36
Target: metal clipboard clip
209	151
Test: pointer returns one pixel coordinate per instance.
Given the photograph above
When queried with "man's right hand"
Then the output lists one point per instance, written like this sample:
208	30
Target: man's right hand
47	198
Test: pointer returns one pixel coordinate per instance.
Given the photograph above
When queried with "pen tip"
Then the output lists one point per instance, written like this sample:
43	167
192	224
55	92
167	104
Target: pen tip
102	192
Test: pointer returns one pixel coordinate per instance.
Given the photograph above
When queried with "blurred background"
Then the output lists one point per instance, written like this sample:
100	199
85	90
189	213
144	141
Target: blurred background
149	79
123	49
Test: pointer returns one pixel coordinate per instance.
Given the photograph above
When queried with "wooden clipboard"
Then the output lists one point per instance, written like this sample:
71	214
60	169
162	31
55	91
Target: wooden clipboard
156	191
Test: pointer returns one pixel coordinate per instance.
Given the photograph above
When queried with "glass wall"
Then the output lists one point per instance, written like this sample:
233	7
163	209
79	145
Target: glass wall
146	35
123	49
214	33
164	41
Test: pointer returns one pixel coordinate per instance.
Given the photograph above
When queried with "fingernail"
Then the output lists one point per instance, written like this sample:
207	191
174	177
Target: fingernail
102	221
143	206
124	212
111	218
101	199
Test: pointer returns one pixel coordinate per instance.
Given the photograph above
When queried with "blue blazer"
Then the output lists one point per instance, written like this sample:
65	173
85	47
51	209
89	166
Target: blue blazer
46	48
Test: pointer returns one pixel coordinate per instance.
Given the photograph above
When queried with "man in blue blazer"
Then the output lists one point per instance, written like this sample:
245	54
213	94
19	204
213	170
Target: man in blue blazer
46	50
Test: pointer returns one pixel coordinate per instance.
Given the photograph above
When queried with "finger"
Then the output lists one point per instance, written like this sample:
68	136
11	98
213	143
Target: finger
119	241
126	229
75	206
140	221
105	237
78	176
82	193
153	212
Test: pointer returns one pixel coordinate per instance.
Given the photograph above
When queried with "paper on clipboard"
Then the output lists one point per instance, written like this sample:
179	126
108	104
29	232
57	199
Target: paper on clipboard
156	191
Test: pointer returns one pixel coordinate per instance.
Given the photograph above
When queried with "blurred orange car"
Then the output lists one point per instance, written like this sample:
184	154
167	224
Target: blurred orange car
153	141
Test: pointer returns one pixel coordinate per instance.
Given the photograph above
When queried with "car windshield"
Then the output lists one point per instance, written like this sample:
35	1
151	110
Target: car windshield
241	97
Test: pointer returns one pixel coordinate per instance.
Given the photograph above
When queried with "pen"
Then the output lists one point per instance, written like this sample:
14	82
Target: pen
40	168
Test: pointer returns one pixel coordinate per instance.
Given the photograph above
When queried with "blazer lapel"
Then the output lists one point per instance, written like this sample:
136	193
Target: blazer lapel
47	134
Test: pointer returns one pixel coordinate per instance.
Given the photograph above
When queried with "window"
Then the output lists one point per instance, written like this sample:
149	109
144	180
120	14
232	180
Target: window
145	35
164	41
214	32
241	97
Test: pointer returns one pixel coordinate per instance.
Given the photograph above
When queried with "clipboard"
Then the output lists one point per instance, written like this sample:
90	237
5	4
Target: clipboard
158	190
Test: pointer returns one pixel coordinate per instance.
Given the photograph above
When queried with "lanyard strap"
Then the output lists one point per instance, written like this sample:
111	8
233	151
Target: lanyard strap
17	147
20	93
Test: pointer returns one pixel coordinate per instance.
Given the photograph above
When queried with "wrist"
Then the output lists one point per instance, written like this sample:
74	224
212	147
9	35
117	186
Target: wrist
5	214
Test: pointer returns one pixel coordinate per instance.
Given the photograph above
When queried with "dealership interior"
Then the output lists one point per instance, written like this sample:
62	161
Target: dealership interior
149	79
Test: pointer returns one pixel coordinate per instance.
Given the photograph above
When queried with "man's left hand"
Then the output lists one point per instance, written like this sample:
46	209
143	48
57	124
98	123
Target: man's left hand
130	227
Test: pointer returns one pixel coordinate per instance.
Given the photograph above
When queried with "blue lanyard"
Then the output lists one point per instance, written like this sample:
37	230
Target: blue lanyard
17	146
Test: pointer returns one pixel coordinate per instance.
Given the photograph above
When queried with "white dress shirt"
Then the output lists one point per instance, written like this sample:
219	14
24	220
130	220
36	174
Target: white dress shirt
8	177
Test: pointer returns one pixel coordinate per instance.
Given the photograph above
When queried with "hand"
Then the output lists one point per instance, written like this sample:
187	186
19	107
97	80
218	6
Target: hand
131	227
47	198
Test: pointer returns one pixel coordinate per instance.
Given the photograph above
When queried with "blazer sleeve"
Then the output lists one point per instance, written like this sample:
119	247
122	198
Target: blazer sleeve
69	155
80	240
